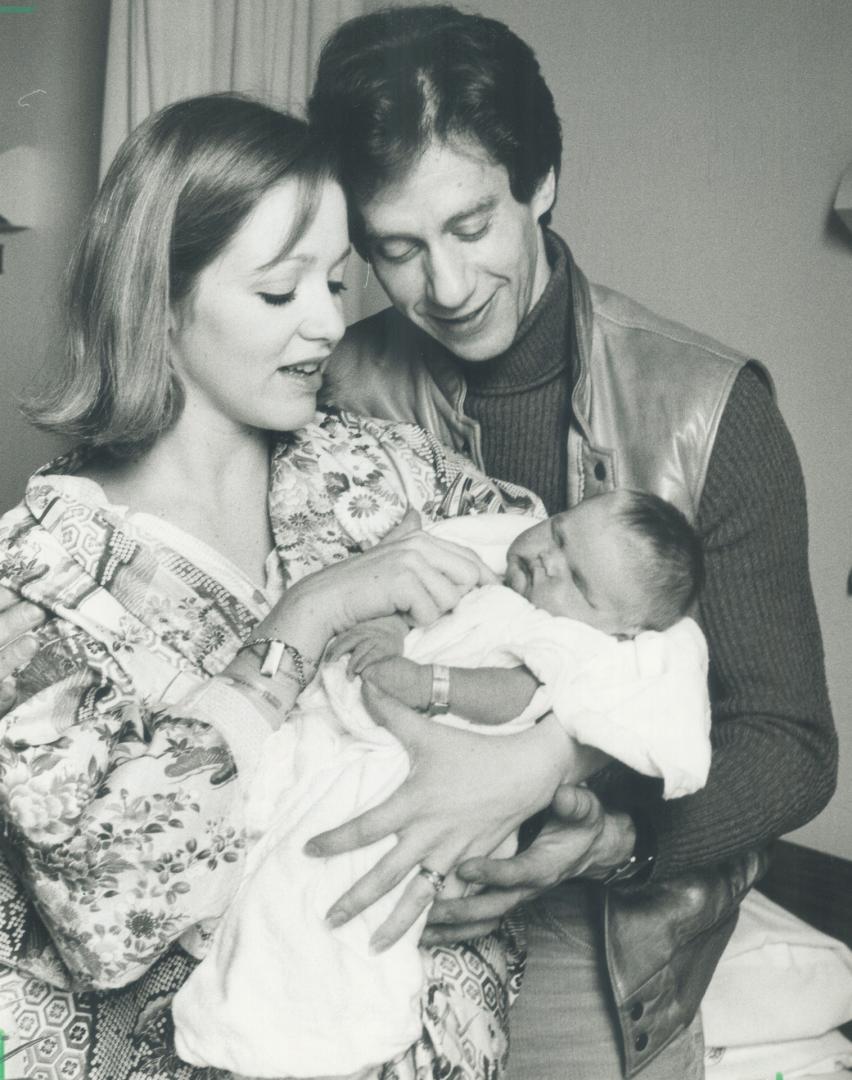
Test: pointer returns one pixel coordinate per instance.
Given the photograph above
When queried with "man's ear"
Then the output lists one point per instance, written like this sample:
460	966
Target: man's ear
545	194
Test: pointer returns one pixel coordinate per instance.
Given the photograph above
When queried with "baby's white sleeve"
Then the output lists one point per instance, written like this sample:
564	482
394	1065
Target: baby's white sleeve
643	701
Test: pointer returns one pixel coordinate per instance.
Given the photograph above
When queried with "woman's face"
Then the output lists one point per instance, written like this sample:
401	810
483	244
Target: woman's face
250	340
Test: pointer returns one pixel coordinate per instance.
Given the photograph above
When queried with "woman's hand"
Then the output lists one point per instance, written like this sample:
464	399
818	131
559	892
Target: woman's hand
416	575
581	839
17	645
465	793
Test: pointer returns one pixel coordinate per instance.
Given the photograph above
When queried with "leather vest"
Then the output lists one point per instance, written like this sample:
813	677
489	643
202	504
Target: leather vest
647	399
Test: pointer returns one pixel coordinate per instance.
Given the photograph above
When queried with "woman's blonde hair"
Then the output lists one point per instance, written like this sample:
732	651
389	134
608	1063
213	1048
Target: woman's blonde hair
178	190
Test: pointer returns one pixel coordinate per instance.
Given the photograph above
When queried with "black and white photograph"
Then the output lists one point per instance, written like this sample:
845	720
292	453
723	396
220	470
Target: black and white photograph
425	560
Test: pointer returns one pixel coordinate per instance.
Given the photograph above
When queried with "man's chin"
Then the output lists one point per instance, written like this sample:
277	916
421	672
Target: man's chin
476	349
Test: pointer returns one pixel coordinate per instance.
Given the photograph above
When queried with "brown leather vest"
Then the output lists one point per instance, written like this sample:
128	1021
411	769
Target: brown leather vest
647	398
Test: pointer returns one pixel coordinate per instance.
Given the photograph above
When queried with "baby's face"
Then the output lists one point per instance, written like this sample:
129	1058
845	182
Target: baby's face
578	564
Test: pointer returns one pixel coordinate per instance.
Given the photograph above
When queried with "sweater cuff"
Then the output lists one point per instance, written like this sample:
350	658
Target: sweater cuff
230	712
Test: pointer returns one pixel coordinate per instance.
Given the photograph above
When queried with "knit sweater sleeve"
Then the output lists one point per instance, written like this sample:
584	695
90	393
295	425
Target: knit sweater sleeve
774	745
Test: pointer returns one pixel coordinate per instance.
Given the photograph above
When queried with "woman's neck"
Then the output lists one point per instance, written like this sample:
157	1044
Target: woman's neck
210	480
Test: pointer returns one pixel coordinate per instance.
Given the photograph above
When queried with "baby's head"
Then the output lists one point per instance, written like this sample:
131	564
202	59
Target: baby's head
622	562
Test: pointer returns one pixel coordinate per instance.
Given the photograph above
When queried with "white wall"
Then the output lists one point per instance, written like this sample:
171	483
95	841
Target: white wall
704	141
58	48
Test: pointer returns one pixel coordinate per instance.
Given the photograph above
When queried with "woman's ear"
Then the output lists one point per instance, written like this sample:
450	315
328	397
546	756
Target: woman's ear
545	194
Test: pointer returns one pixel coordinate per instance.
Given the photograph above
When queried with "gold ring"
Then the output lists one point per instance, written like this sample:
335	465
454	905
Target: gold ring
436	879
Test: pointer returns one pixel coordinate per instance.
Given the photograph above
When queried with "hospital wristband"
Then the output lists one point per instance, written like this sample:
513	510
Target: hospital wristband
439	699
281	658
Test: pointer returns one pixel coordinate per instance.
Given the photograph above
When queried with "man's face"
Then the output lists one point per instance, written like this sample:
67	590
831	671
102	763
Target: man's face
455	251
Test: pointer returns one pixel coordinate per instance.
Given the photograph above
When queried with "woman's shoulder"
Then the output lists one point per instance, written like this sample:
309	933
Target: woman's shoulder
333	424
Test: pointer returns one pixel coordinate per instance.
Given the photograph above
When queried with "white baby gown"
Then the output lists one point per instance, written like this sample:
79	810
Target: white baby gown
280	993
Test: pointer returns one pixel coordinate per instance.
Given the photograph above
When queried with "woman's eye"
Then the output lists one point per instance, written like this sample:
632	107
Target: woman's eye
277	299
336	288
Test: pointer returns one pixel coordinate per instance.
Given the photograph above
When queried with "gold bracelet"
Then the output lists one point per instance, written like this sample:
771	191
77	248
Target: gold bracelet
301	668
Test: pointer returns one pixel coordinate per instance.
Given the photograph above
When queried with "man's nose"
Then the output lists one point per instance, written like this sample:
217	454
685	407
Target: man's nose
450	281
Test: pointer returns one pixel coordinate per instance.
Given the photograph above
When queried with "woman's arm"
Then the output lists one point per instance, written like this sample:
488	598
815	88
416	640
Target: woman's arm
129	817
17	643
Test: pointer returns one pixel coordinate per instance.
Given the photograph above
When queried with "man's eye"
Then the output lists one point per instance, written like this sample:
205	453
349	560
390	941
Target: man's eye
395	250
470	233
277	299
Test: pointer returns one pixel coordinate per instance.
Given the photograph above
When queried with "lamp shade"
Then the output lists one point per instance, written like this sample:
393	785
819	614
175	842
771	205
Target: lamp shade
6	226
22	171
843	201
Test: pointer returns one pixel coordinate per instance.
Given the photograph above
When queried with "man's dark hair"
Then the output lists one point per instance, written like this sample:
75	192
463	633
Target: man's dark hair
390	82
669	559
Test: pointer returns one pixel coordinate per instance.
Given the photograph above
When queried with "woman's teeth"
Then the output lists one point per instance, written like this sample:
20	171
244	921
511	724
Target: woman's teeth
301	369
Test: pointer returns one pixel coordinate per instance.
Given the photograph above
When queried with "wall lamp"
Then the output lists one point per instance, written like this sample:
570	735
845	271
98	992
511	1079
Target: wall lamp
843	200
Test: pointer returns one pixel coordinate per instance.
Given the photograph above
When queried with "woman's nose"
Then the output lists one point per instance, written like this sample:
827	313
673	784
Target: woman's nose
324	321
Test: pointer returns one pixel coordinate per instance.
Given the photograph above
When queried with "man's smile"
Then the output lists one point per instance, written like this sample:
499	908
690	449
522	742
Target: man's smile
463	324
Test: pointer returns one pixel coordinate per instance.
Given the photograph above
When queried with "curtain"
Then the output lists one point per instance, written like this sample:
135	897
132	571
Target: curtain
162	50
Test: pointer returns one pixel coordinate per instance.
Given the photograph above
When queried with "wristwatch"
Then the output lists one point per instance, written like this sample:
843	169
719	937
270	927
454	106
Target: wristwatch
641	861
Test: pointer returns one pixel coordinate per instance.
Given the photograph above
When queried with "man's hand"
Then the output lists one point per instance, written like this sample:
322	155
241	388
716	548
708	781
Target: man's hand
580	840
17	645
465	793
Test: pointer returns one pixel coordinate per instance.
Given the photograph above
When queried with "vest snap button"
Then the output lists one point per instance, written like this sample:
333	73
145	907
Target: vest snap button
641	1041
600	471
637	1011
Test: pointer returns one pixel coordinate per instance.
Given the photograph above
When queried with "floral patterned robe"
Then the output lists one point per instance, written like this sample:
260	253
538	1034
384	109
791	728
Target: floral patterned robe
121	769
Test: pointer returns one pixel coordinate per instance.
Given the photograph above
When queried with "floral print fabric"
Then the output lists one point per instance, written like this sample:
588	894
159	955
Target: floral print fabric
120	792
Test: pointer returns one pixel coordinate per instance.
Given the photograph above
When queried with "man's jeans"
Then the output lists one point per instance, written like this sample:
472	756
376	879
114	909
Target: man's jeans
563	1026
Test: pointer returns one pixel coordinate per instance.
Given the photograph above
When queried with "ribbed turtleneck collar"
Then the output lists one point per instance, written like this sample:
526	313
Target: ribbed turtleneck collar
541	348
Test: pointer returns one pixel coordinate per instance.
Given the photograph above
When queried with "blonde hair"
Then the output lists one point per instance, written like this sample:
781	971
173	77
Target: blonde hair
178	190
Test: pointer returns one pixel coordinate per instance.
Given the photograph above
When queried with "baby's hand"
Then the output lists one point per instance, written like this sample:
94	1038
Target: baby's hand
369	642
408	682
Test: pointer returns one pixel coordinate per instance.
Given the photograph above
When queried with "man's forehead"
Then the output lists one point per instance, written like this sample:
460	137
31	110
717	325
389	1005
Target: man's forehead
448	180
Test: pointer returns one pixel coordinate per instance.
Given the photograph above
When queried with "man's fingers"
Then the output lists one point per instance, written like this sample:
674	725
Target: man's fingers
484	907
572	805
453	933
526	869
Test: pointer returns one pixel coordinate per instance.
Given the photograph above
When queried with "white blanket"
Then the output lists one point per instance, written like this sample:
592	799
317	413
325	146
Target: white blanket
281	994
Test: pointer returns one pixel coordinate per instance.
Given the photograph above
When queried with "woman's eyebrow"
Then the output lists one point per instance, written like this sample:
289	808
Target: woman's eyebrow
302	260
